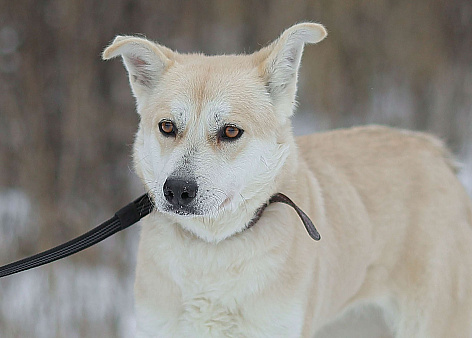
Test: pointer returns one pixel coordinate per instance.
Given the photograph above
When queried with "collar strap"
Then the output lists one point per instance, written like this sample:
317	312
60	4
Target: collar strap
279	197
124	218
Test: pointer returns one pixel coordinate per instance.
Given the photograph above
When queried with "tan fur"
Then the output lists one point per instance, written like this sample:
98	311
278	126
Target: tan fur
395	221
415	237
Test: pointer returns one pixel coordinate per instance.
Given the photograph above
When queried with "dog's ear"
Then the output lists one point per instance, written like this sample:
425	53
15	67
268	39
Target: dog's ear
144	60
279	62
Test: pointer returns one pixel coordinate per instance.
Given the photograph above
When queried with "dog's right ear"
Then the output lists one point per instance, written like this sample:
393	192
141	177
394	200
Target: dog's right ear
144	60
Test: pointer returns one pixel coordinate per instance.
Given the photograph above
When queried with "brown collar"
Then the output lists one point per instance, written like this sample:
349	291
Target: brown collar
279	197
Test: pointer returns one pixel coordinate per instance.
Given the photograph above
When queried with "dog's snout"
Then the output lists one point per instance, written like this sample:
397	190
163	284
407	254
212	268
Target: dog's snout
180	192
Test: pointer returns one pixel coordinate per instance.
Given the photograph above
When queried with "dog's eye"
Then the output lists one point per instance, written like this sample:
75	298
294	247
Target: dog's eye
167	128
230	133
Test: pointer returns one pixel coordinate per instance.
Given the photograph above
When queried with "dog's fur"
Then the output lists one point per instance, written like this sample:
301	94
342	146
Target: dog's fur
395	221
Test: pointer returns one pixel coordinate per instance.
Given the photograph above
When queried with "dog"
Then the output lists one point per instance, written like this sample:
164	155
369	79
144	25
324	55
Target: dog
215	143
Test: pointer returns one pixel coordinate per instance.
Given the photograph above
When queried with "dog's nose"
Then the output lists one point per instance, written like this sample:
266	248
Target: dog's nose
180	192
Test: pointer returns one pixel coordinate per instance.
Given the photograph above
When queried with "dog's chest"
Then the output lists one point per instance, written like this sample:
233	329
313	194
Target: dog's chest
218	296
217	311
212	300
207	314
233	300
195	305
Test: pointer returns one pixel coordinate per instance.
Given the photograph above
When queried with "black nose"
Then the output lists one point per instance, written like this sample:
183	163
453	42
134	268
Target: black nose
179	192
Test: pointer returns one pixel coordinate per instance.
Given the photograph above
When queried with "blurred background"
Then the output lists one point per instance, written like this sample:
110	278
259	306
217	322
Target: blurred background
67	121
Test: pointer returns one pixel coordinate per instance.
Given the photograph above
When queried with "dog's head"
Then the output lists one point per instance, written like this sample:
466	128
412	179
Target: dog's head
213	131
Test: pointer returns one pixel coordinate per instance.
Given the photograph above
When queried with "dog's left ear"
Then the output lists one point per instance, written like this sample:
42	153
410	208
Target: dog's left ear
279	62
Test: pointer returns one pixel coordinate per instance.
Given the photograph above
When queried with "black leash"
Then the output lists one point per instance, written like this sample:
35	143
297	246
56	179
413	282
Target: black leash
123	218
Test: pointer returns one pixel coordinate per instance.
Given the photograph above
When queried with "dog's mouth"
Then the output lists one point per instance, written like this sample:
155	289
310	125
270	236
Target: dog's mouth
197	208
187	211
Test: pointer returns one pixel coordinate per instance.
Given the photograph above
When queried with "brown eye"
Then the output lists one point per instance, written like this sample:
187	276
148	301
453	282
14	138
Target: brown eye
231	133
167	128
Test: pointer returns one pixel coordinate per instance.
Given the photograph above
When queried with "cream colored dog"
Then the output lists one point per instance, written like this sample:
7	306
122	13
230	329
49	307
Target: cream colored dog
215	142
